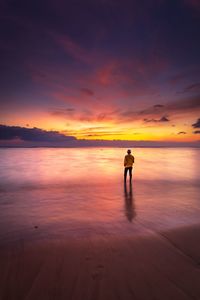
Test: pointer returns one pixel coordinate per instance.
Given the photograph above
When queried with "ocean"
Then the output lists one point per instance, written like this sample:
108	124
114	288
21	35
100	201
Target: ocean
63	192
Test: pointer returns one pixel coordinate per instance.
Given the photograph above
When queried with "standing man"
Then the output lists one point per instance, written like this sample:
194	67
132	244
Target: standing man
128	164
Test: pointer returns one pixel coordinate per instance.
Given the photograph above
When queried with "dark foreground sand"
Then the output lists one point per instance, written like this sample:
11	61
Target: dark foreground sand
158	266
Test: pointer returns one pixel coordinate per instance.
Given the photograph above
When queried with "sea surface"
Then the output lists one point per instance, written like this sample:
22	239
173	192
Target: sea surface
54	193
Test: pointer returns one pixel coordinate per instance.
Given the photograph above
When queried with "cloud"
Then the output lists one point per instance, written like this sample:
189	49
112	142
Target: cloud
74	114
183	105
73	99
110	73
32	134
63	112
104	134
178	107
158	106
101	117
177	79
130	73
72	48
162	119
197	124
90	114
196	132
195	87
87	92
182	132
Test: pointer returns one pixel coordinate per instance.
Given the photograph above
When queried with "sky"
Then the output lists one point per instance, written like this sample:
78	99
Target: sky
99	70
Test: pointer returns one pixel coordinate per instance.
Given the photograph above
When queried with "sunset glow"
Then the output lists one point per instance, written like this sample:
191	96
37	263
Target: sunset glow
73	69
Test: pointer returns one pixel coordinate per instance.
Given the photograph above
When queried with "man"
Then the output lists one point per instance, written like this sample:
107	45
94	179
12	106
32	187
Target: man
128	164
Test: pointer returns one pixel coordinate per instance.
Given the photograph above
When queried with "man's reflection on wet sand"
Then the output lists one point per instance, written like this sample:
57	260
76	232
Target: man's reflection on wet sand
129	202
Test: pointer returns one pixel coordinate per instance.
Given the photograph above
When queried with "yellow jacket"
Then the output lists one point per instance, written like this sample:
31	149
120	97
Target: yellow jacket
128	160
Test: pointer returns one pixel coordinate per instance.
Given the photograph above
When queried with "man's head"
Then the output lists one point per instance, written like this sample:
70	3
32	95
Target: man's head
129	151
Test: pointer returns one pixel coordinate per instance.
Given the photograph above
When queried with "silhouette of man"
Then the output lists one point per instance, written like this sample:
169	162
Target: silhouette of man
128	164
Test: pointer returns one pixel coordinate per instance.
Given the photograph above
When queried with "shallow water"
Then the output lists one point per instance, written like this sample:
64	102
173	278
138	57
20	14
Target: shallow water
46	192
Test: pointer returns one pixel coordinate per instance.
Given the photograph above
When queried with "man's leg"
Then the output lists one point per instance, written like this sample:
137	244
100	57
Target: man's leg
125	173
130	173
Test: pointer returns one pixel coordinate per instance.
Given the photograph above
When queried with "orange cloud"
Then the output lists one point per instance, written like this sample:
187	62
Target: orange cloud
109	74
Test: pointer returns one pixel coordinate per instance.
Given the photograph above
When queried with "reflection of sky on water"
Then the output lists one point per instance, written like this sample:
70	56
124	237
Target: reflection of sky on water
81	191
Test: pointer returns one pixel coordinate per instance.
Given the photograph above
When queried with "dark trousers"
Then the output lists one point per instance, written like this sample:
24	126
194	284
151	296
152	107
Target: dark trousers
126	171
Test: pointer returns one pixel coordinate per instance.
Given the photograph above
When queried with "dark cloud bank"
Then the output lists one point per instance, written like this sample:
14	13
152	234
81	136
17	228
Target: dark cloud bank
15	136
32	134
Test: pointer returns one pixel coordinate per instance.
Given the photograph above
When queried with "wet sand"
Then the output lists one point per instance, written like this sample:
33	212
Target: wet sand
162	265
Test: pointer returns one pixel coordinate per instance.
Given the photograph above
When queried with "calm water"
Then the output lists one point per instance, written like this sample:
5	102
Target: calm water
77	192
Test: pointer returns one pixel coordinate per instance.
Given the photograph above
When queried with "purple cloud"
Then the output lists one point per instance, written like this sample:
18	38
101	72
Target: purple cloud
197	124
87	92
32	134
163	119
158	106
195	87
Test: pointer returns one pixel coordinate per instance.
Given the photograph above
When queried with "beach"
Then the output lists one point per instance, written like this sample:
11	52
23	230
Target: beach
165	265
67	232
